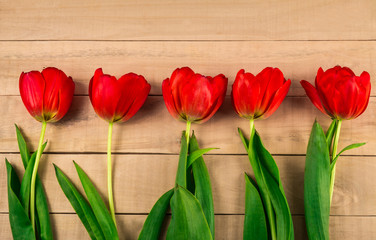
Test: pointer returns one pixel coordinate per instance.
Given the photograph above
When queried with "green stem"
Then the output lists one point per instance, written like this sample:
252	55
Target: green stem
266	198
109	173
334	154
34	175
188	131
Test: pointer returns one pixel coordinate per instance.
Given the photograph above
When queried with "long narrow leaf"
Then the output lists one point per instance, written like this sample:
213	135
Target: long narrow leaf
330	133
99	208
24	151
197	154
349	147
188	221
80	205
203	190
181	177
316	185
45	230
26	182
254	220
153	223
19	221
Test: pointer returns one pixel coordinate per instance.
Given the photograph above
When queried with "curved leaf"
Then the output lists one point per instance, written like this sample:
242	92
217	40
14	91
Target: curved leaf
349	147
254	220
203	190
99	208
197	154
19	221
24	151
154	221
80	205
316	185
188	221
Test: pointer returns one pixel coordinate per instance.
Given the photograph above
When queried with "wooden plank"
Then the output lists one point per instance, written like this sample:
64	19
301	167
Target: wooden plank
139	180
157	60
188	20
153	130
227	227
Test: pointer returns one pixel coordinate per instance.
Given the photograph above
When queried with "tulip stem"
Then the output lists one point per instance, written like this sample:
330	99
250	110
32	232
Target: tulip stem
188	131
109	173
334	154
251	128
34	175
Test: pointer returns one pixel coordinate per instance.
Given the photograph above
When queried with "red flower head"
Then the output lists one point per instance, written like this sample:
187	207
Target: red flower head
259	96
117	100
193	97
339	93
47	95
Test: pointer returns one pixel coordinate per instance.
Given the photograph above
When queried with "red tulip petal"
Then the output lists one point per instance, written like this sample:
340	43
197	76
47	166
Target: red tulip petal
105	96
96	76
53	78
134	91
313	95
32	86
364	94
66	97
169	100
196	98
179	78
246	95
278	98
275	80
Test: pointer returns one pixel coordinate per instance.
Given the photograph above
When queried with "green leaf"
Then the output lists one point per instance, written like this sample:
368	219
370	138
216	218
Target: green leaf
24	151
26	181
351	146
181	177
99	208
316	185
330	133
197	154
80	205
19	221
188	221
244	140
154	221
203	190
254	220
45	230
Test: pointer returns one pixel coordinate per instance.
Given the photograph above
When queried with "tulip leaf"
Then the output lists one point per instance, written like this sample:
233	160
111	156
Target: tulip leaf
43	217
330	133
26	182
244	140
80	205
19	221
153	223
197	154
188	220
99	208
317	184
24	151
254	220
349	147
203	190
181	177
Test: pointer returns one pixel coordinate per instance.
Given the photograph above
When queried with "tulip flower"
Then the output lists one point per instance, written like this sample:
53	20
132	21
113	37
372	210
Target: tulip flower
193	98
47	95
341	95
257	97
116	101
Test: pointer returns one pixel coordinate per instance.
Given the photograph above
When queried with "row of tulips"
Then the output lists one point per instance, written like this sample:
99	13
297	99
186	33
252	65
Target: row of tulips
192	98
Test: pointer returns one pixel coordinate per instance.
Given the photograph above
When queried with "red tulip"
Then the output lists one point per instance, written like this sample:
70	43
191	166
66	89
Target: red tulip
339	93
117	100
259	96
47	95
193	97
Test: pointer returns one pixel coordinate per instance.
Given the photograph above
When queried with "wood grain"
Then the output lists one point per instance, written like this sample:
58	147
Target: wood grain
187	20
139	180
153	130
227	227
157	60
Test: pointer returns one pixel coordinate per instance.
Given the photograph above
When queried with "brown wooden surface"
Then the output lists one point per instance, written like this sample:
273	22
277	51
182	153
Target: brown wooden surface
153	38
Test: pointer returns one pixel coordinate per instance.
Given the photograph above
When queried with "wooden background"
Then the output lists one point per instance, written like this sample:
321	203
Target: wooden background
153	38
